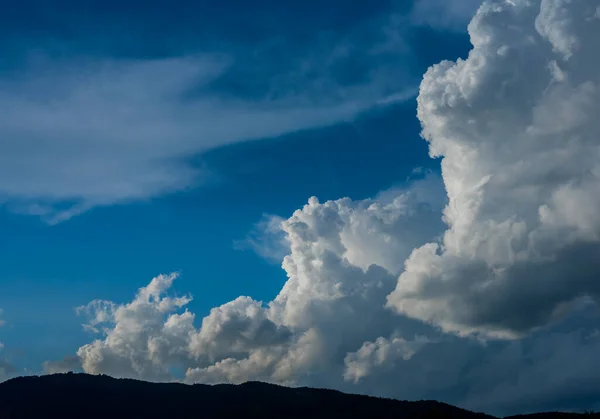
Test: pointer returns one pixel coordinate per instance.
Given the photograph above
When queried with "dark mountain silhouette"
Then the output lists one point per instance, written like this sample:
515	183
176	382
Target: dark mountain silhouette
85	396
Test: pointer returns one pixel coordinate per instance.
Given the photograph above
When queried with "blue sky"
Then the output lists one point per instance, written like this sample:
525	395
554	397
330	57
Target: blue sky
189	137
110	251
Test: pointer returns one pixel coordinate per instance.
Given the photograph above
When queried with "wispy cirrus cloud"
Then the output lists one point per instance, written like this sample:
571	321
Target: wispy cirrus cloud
80	135
85	131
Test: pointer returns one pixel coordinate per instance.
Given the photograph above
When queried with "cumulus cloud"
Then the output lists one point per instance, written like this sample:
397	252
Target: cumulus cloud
332	302
238	342
235	328
328	326
142	338
515	127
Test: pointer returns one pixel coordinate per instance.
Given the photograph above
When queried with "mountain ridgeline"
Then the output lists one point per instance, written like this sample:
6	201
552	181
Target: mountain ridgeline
85	396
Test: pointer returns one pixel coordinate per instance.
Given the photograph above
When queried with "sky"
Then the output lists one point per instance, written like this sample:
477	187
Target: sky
395	198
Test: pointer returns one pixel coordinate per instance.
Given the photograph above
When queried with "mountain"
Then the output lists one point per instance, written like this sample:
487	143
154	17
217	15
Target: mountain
86	396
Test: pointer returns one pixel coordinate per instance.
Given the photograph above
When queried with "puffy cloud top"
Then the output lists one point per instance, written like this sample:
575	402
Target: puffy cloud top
332	302
142	338
516	129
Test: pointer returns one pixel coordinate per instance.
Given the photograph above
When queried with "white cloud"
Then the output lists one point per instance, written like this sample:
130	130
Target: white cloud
237	327
338	249
81	135
84	133
332	302
238	342
142	338
376	231
516	127
325	328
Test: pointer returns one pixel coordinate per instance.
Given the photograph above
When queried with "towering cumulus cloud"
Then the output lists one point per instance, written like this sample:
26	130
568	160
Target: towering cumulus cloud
342	256
343	260
517	129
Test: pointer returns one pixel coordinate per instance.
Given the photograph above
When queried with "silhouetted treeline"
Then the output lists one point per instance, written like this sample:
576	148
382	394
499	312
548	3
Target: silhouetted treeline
84	396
